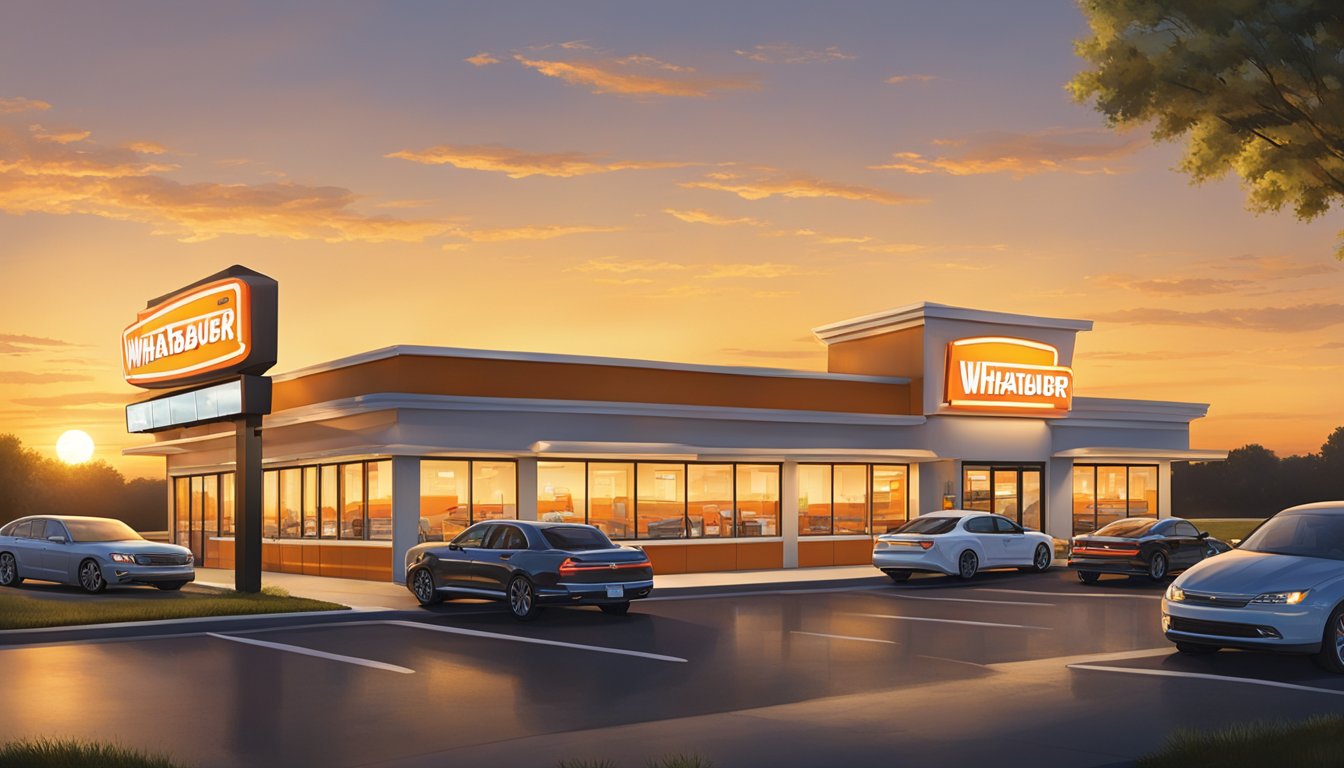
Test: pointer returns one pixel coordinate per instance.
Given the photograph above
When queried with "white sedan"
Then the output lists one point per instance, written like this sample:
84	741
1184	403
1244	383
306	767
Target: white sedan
960	542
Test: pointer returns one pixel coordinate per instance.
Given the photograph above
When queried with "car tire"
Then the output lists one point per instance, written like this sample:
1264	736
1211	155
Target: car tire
9	571
1196	649
616	609
1088	577
91	577
171	586
522	598
1040	561
1158	566
968	564
421	583
1331	655
898	576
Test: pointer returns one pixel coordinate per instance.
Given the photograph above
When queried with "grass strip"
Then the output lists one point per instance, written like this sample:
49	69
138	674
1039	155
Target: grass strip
18	611
1315	743
1227	529
69	753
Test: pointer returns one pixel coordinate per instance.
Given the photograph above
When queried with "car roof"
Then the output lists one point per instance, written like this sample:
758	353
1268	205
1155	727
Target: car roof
66	517
956	513
1319	506
540	524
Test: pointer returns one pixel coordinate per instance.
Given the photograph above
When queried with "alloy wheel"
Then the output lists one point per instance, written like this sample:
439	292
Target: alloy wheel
91	576
1339	639
424	586
1157	567
1042	558
967	564
520	597
8	569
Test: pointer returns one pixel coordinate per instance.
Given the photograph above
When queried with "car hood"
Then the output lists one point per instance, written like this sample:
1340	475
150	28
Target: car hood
1242	572
132	547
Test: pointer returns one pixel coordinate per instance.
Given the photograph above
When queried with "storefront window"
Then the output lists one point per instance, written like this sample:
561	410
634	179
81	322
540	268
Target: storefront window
976	491
1111	498
494	490
380	500
814	499
849	503
445	510
270	504
310	502
1031	500
352	501
291	503
1104	494
709	499
226	495
611	487
328	500
561	491
210	496
889	497
1143	491
197	516
182	510
1084	500
661	507
757	500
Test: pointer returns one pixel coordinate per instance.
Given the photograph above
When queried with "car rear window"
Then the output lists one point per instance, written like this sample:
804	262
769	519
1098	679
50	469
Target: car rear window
929	526
1136	526
574	537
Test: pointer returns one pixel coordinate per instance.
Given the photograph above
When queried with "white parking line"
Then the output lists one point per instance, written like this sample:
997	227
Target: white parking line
964	600
319	654
1202	676
534	640
947	621
956	661
843	637
1069	594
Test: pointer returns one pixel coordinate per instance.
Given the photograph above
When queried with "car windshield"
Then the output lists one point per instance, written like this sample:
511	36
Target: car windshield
574	537
1131	528
1303	534
101	530
930	526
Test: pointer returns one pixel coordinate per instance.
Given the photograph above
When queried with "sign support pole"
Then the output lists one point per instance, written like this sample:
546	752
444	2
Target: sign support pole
247	505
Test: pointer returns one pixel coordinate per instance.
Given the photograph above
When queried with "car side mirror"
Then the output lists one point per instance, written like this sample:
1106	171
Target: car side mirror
56	539
1203	534
1235	542
455	547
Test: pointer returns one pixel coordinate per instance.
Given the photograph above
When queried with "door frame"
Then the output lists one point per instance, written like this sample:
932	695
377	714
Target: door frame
1008	466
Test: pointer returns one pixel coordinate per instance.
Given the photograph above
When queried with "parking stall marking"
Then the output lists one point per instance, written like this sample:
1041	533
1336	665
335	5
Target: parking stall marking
533	640
843	637
947	621
1204	676
317	654
1067	594
964	600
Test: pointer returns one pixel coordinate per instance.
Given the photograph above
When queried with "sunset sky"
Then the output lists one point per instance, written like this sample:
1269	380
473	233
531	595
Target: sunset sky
699	182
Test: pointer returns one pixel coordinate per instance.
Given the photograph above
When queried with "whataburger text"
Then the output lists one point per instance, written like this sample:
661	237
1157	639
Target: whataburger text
1000	373
199	331
998	379
181	337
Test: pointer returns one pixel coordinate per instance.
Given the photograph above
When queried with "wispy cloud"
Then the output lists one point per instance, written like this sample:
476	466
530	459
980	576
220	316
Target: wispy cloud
775	183
913	78
75	399
767	271
1082	151
1175	286
14	105
147	147
529	233
636	75
518	164
699	216
482	59
27	377
20	344
58	135
627	266
788	53
1303	317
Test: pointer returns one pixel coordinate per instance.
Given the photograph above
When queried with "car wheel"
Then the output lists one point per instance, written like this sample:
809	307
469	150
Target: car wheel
422	586
171	586
1040	562
91	577
1157	566
1088	577
1197	648
522	599
898	576
616	609
9	571
1331	656
968	564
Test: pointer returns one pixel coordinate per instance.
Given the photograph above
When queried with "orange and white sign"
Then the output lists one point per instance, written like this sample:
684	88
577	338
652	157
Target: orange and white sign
998	373
189	335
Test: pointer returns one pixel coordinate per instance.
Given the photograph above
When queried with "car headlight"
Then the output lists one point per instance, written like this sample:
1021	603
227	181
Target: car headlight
882	545
117	557
1175	594
1281	598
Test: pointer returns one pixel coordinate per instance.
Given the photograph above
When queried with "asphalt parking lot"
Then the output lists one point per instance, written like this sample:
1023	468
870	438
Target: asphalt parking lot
1010	668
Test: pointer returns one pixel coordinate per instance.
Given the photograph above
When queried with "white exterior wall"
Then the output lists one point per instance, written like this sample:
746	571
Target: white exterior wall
405	511
788	510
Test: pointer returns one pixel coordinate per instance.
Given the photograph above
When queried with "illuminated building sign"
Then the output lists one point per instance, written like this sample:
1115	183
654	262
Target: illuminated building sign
996	373
205	332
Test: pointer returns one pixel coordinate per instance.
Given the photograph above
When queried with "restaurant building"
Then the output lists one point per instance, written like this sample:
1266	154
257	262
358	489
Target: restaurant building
708	468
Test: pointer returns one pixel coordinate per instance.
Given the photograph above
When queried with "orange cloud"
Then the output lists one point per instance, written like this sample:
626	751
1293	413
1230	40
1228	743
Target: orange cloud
147	147
898	79
517	164
26	377
625	267
20	104
67	136
774	183
1302	317
698	216
1022	154
481	59
635	76
787	53
1175	286
529	233
766	271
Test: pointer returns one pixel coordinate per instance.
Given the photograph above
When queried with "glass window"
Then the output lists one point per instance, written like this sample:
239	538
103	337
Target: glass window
976	489
661	506
54	528
198	515
328	500
210	495
96	529
270	504
574	538
929	525
1128	529
561	491
380	500
1142	491
1084	500
709	498
444	507
1186	529
182	511
24	530
814	499
1005	493
1111	494
980	524
757	500
291	503
352	501
226	496
494	490
310	502
1031	499
849	503
611	492
473	536
1304	534
1004	525
890	510
508	537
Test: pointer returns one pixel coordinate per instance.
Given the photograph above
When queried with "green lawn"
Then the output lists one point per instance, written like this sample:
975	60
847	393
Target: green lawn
18	611
1317	743
1227	528
64	753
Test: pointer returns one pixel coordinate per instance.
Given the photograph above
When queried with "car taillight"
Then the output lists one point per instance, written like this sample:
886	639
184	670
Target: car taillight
926	544
568	568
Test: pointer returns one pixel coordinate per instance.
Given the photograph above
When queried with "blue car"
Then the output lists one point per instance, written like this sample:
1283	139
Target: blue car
88	552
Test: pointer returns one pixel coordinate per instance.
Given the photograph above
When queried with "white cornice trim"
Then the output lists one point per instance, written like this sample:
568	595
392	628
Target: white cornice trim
916	314
1172	454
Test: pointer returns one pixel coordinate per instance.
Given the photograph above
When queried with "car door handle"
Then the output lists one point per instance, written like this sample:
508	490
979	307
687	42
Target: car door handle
506	556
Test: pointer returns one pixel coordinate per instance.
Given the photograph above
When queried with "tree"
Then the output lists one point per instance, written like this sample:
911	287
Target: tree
1255	86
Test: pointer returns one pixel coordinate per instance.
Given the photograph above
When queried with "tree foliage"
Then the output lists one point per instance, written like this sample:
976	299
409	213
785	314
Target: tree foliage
32	484
1255	86
1253	482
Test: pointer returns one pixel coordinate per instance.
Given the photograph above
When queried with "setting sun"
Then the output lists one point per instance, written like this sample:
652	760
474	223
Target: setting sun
74	446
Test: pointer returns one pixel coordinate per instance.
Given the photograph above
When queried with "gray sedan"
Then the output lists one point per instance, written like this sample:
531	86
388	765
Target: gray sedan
88	552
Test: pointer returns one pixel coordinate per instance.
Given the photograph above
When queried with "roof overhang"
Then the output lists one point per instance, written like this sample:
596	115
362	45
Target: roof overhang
916	314
1143	454
680	452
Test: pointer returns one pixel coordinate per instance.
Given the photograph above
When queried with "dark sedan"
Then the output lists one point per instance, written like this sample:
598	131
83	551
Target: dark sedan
527	564
1141	546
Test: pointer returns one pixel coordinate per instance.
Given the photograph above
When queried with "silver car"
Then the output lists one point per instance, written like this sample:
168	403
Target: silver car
1282	589
89	552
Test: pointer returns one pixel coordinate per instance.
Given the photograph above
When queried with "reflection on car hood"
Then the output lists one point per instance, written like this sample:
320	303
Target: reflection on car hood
1242	572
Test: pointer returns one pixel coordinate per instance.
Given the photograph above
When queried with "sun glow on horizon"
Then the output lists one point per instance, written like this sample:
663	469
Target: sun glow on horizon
74	446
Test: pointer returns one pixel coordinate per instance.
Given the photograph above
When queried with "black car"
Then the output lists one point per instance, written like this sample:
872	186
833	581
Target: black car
527	564
1141	546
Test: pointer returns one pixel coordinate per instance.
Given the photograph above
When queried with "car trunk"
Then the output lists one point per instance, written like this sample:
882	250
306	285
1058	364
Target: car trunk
606	566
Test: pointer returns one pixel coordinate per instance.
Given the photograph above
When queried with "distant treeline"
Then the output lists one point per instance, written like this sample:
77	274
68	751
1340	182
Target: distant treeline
31	484
1253	482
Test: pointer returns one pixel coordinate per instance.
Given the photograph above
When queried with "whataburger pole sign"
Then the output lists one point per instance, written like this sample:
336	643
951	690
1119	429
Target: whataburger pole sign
1006	375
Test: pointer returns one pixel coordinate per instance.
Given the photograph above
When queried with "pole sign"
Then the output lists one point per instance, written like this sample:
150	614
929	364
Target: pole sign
1006	375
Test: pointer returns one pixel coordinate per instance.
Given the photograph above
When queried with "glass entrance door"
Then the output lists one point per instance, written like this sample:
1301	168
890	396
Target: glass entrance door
1011	490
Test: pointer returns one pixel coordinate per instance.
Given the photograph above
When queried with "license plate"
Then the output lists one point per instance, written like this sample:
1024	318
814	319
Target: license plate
615	591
